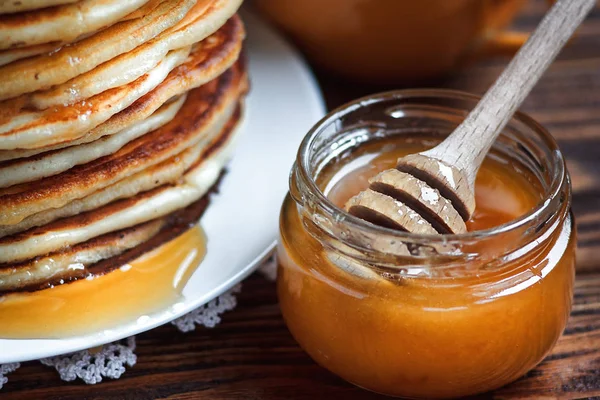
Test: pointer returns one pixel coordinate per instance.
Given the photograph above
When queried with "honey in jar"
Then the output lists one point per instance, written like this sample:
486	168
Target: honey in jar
445	315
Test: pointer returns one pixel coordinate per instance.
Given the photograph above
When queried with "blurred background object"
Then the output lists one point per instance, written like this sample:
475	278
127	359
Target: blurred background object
396	41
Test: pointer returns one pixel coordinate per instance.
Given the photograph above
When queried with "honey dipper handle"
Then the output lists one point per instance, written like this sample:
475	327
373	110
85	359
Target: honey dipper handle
467	146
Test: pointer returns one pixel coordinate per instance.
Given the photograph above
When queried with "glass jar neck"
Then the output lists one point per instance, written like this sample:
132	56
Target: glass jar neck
409	113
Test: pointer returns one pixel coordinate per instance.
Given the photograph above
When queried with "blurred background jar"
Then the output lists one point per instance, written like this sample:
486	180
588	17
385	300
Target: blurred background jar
396	41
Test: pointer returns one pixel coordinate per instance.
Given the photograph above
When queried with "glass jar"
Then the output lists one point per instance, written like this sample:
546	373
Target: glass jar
431	316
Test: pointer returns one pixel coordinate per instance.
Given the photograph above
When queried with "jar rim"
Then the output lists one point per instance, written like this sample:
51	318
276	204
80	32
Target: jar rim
545	208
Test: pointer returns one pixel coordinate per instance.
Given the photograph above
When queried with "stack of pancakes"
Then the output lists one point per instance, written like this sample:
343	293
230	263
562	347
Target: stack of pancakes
116	121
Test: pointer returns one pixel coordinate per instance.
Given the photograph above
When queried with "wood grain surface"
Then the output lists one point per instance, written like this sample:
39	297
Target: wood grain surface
251	355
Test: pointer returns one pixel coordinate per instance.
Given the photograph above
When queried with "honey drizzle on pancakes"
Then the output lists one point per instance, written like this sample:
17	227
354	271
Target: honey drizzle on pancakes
146	285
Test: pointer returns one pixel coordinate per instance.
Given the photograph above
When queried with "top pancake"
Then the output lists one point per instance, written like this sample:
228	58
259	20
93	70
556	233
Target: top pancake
128	66
198	68
62	23
171	17
21	128
14	6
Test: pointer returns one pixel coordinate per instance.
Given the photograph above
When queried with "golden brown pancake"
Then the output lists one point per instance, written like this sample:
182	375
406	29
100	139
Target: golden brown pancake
59	264
71	263
127	67
18	53
25	128
197	70
13	6
62	23
168	171
21	128
11	55
47	70
50	163
100	255
205	109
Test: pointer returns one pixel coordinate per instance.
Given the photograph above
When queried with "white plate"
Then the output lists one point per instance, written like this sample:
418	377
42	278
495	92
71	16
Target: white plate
283	104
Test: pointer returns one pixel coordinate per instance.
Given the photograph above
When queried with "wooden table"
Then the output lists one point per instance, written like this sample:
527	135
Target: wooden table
251	355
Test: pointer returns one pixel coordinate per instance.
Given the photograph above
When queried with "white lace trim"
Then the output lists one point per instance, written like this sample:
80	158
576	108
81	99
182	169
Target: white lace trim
91	367
208	315
6	369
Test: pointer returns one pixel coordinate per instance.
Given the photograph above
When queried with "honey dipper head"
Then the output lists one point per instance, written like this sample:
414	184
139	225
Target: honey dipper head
419	197
386	211
447	179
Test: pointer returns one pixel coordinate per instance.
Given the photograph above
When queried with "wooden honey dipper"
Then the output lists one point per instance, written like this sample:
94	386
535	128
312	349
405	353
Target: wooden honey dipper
433	191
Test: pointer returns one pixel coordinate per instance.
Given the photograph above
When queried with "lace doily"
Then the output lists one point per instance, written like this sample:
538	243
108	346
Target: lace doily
111	360
208	315
91	366
7	369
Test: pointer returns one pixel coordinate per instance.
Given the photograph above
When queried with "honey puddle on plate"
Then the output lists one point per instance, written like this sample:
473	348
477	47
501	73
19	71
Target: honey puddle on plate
150	283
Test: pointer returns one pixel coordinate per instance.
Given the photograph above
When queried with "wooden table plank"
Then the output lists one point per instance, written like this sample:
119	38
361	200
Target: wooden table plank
251	355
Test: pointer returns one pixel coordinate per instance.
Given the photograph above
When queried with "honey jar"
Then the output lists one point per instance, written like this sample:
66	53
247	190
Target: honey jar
426	316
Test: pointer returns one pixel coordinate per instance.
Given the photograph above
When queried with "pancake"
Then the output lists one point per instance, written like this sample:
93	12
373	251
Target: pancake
195	70
126	67
54	162
119	71
71	263
205	108
62	23
46	70
198	69
42	72
100	255
168	171
61	123
14	6
20	128
122	214
11	55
